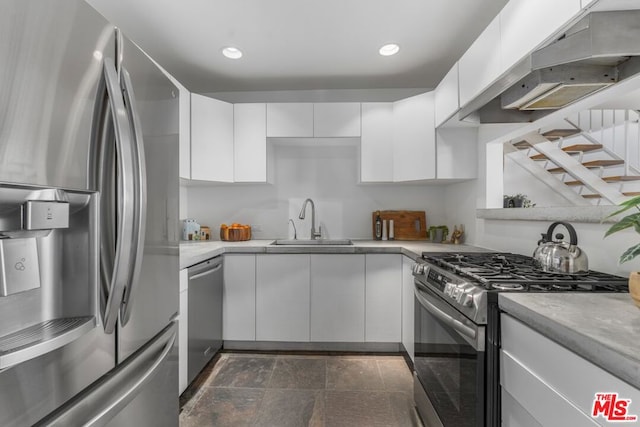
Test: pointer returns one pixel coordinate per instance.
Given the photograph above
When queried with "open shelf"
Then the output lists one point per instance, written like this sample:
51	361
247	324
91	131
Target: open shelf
42	338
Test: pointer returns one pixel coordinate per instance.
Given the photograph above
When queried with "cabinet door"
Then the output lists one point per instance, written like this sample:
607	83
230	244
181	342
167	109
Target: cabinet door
457	153
185	133
481	64
337	298
211	139
383	298
408	305
376	143
239	298
414	139
290	119
250	142
336	119
282	297
446	96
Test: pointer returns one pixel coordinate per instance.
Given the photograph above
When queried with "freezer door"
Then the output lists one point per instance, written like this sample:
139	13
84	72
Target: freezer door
50	65
32	389
153	299
140	392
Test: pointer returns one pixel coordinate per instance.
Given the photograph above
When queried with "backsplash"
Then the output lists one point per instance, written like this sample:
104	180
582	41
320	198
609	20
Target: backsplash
328	174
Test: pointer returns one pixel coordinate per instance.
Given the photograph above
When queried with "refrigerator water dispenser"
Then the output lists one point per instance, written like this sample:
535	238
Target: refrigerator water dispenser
19	269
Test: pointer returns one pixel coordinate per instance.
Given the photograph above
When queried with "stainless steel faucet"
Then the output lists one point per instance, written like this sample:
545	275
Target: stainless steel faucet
314	235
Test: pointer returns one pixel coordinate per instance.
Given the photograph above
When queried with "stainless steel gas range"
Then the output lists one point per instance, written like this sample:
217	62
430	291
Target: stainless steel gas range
457	330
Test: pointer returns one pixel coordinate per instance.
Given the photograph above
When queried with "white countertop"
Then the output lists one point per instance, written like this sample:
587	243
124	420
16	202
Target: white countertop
195	252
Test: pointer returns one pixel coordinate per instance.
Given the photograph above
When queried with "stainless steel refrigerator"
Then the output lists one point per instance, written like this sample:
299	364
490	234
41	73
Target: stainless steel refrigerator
89	253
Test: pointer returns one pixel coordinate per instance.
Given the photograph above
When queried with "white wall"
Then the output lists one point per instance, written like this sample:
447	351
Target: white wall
518	180
326	173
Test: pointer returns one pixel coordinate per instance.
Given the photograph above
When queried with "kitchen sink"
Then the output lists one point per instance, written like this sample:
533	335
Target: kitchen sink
309	242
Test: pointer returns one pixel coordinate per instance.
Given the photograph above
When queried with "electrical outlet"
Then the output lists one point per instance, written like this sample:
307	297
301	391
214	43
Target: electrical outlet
256	227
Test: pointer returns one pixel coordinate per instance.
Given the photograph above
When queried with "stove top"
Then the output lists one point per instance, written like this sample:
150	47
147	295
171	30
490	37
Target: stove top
469	280
498	271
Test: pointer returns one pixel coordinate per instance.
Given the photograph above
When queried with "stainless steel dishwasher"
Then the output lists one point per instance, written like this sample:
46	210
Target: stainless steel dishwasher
205	314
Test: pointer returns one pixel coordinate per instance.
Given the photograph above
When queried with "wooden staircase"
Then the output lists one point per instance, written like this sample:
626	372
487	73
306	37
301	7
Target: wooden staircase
552	151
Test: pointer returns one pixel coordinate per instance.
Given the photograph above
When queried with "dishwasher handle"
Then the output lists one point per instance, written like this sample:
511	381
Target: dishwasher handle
205	268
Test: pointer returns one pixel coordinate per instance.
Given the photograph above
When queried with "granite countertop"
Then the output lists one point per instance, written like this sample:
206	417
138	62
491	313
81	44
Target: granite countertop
194	252
602	328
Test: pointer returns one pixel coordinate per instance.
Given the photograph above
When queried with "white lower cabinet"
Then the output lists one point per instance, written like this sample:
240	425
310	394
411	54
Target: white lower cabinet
282	297
383	298
239	298
351	298
544	383
337	298
183	330
408	306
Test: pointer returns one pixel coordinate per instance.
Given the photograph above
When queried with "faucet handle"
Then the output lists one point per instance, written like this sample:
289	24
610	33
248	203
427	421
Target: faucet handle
295	232
319	233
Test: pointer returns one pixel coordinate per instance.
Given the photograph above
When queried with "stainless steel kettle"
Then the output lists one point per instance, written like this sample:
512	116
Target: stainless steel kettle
559	256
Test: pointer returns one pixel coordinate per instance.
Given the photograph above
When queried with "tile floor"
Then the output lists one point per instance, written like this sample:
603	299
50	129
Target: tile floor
277	390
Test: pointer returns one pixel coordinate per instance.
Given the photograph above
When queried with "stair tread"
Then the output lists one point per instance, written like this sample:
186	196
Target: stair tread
522	145
591	164
598	196
560	133
576	148
609	179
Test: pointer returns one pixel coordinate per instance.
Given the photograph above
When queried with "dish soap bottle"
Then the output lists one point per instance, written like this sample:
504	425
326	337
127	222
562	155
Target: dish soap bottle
378	226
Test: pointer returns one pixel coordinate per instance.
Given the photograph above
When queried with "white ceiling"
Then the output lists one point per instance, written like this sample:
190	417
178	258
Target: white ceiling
302	44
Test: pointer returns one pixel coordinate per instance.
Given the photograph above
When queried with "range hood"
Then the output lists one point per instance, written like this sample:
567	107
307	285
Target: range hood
599	50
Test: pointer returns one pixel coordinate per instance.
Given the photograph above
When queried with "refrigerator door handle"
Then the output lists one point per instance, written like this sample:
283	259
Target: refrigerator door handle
101	401
124	199
140	182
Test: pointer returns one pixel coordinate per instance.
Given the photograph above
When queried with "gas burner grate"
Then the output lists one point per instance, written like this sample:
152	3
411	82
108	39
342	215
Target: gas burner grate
507	271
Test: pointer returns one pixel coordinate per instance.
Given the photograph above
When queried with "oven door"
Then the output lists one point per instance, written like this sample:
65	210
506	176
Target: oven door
449	363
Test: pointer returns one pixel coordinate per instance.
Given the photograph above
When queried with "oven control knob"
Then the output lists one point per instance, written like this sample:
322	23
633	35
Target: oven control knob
448	289
467	301
454	291
418	269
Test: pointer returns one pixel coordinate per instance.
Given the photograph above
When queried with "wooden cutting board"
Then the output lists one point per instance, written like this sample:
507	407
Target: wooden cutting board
407	225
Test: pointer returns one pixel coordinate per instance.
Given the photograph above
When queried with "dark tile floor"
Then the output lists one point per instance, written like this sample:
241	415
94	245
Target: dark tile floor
241	389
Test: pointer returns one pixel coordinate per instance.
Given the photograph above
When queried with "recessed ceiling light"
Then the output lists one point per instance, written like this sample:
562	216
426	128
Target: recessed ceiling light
232	52
389	49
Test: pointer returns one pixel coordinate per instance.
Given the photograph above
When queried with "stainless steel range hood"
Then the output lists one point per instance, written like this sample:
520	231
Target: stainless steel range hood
599	50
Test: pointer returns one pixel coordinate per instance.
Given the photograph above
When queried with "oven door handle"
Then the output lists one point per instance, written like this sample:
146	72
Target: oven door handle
457	325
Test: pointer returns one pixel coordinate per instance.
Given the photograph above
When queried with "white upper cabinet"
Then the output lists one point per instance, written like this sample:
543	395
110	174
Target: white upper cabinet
376	143
480	65
211	139
457	153
250	142
414	138
525	24
336	119
290	120
185	133
446	96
